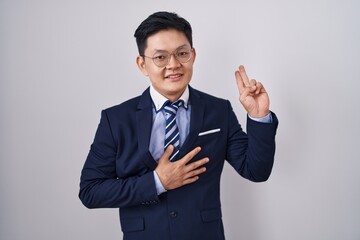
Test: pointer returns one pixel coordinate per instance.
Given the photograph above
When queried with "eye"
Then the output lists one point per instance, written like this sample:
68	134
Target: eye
160	57
183	53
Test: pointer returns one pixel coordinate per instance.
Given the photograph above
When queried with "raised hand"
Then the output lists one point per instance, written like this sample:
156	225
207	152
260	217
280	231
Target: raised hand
253	95
179	173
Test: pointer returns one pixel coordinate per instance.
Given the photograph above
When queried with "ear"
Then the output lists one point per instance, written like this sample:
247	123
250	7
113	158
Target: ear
140	62
194	55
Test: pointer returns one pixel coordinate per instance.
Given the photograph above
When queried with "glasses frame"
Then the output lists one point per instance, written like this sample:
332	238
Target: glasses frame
169	56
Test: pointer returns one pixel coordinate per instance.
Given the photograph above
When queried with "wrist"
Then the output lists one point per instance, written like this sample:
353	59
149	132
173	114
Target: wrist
158	184
265	119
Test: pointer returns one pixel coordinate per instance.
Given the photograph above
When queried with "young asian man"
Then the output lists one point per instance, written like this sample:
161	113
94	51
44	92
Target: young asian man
158	157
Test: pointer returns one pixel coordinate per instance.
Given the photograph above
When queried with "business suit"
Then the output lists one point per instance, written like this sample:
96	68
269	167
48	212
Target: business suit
118	172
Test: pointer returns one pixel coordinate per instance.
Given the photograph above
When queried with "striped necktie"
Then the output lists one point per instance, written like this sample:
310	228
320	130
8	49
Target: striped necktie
171	129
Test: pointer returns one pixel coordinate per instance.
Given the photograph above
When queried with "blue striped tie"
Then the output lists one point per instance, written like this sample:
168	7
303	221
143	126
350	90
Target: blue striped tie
171	129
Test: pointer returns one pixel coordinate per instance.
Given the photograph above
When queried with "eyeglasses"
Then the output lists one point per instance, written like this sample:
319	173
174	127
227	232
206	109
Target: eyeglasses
162	58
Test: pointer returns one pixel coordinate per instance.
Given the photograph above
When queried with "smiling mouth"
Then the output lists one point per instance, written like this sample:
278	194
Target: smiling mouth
174	76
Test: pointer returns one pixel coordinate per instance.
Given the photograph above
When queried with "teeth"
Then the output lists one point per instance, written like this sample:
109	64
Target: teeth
174	76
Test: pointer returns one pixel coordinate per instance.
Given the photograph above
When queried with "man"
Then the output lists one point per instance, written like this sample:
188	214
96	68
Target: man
158	157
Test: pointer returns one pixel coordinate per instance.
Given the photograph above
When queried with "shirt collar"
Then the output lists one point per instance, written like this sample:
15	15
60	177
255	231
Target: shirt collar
159	100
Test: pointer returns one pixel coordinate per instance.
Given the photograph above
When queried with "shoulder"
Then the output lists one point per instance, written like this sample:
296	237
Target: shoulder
207	98
128	105
131	105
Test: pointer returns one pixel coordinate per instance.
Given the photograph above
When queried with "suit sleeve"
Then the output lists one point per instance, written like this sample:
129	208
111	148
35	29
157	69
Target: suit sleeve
251	154
100	187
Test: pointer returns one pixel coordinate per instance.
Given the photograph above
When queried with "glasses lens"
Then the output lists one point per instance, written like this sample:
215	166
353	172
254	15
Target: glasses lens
161	58
183	55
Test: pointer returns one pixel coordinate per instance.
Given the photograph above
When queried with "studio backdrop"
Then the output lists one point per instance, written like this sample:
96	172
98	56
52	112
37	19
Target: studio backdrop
62	62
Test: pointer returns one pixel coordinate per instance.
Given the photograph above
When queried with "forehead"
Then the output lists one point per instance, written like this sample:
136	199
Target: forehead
167	40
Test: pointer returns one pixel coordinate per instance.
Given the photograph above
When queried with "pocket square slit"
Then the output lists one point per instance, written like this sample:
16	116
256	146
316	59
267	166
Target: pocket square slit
209	132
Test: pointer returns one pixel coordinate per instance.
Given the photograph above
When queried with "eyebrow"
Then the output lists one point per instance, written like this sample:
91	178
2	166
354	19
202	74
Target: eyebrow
161	50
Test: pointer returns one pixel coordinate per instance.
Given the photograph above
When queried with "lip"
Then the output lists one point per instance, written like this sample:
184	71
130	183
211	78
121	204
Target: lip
174	76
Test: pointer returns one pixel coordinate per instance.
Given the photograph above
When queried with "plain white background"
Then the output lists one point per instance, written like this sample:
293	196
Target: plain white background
62	62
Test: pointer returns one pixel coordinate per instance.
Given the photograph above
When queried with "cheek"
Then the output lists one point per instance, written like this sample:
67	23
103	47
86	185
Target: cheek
189	70
155	75
154	70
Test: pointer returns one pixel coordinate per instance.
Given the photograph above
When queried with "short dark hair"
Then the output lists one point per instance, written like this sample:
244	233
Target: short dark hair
161	21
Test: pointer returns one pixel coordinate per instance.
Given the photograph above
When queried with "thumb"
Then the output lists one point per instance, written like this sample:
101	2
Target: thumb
165	157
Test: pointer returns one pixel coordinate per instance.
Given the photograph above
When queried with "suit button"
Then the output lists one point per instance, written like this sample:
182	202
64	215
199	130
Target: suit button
173	214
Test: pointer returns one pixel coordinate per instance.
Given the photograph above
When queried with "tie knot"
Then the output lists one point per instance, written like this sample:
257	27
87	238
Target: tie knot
171	108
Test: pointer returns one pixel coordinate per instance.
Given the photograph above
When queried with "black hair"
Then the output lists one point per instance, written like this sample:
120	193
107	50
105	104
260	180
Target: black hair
161	21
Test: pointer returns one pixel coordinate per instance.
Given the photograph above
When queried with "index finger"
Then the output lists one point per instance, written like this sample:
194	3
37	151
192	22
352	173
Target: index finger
190	155
239	82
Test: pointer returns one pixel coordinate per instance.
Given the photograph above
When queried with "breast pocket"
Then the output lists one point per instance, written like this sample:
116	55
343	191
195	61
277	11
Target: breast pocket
206	137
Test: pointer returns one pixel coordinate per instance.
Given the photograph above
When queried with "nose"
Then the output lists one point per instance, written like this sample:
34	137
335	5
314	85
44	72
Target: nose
173	62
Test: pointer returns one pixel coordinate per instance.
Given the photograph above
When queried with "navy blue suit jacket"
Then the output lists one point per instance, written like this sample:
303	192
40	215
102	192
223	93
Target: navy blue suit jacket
118	172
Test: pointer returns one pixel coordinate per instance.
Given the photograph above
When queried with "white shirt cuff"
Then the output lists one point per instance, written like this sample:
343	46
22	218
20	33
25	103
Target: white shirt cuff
159	187
266	119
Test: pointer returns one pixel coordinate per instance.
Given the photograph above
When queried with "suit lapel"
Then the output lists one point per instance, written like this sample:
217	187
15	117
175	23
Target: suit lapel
196	121
144	125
